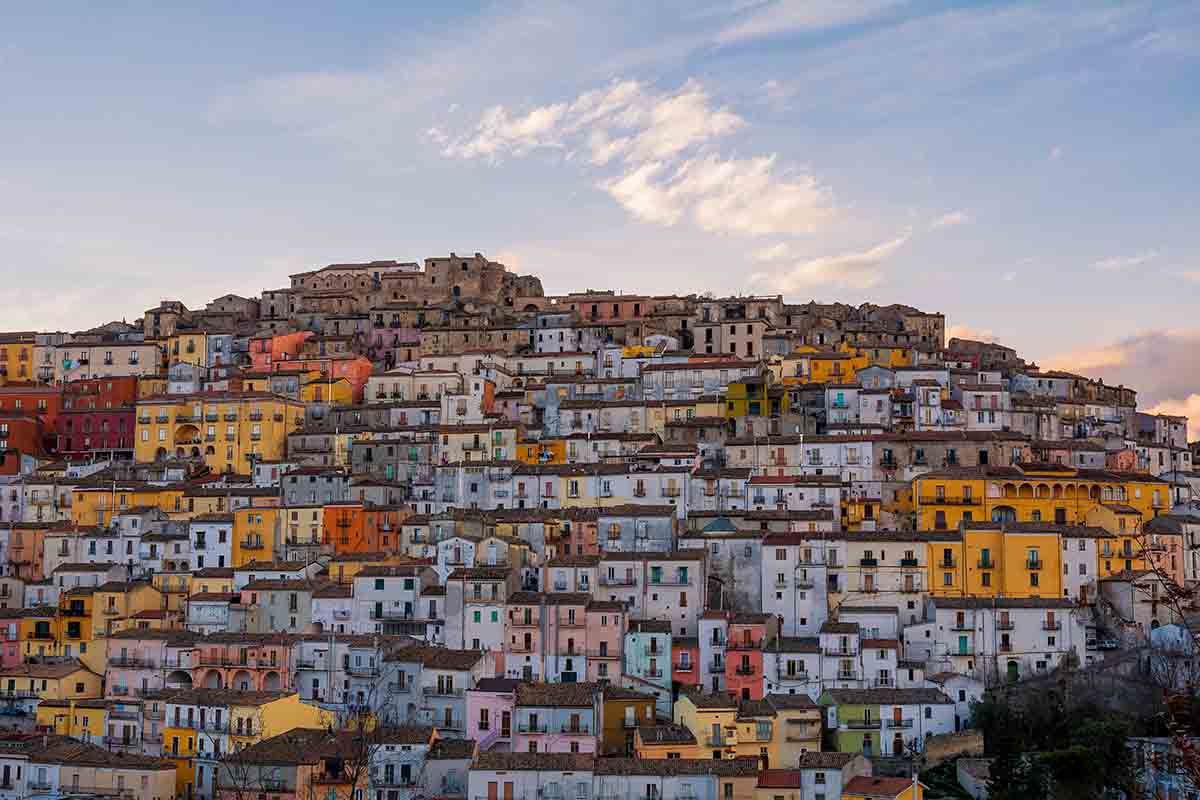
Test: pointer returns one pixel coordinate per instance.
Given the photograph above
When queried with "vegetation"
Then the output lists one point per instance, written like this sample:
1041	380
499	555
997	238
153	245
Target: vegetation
1051	750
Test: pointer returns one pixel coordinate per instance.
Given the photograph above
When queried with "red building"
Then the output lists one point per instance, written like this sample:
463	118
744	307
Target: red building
100	433
97	418
96	393
21	432
33	399
748	633
685	661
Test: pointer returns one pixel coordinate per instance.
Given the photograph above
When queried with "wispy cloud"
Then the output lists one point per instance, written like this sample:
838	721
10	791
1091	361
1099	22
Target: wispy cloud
662	163
1161	364
968	332
1118	263
950	220
778	17
849	270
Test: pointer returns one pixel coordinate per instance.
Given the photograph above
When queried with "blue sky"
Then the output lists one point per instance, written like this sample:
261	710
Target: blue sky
1028	169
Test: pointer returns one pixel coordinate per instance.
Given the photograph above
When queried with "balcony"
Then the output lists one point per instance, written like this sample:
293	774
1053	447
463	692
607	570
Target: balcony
654	673
571	623
1005	647
580	729
1048	625
248	544
131	715
946	563
950	501
441	691
528	727
617	580
111	611
847	676
362	670
132	662
120	741
1004	625
840	652
986	563
688	667
745	669
670	491
868	562
720	740
1033	563
862	724
899	723
716	666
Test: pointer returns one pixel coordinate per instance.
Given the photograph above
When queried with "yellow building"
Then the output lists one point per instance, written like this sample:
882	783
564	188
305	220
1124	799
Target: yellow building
546	451
759	396
990	562
232	719
16	357
103	773
65	680
114	603
866	787
188	347
1031	493
152	386
229	430
321	389
95	504
86	720
712	719
257	531
809	364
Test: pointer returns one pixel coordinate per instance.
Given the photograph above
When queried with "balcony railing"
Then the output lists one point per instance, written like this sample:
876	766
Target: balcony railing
862	724
1033	563
582	729
951	501
986	563
531	727
617	580
840	652
441	691
1048	625
688	667
745	669
899	723
1004	625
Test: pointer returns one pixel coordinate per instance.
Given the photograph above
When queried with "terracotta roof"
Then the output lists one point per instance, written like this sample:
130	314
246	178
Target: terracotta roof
779	779
877	787
666	734
557	695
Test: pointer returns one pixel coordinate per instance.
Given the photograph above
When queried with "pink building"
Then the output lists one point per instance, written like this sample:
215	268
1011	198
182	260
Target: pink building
144	661
606	623
556	718
523	637
267	351
490	707
10	635
244	662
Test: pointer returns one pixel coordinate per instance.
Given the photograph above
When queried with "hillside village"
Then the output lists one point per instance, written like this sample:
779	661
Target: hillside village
405	530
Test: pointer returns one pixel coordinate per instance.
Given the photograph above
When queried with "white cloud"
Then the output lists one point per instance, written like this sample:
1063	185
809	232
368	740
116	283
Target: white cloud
1162	365
1056	153
1009	277
950	220
799	16
853	270
1118	263
667	168
968	332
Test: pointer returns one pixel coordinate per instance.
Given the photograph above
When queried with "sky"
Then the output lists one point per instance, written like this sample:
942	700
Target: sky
1028	169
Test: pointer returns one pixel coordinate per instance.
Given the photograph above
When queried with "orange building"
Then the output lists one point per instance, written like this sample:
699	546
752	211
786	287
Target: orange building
358	528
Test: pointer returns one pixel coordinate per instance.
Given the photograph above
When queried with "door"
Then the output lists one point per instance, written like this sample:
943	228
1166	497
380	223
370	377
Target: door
508	790
963	649
493	791
506	724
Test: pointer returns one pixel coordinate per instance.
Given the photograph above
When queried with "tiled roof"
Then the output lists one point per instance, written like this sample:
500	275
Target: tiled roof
557	695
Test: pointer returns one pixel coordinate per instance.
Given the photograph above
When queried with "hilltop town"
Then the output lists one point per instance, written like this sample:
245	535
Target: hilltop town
404	530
